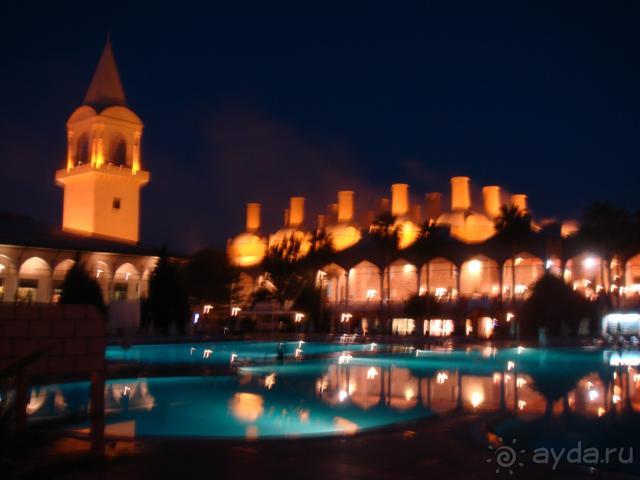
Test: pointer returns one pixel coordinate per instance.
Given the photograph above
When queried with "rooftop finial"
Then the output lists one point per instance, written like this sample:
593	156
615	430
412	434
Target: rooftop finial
105	89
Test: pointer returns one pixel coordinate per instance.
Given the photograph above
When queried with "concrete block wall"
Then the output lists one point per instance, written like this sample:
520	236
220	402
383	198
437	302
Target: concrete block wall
69	339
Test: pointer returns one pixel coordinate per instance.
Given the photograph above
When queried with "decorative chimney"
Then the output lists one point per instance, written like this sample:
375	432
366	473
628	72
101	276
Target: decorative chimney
491	200
520	201
296	212
399	199
345	206
253	217
460	196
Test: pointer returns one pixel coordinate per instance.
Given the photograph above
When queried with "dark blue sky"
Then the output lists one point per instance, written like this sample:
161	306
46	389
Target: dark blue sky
539	99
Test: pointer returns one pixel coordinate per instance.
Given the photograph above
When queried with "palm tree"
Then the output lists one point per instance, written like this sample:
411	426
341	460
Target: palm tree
513	227
386	234
608	230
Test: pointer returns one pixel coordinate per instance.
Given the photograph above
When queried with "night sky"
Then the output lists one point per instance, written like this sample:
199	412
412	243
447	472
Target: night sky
537	99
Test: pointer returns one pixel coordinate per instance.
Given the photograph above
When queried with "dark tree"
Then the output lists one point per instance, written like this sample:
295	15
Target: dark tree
386	234
284	272
79	288
513	228
168	301
552	303
421	308
208	277
607	230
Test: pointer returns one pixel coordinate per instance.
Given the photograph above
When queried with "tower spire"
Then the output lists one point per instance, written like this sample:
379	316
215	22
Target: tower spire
105	89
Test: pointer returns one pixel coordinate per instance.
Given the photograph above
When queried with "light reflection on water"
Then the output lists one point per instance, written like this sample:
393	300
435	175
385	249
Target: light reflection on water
320	397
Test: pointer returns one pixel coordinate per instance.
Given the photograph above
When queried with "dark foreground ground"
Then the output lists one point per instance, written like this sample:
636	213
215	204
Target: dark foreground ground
452	447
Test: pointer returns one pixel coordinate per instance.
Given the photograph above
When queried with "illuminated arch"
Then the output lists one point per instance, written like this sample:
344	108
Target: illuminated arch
83	150
34	279
585	273
632	275
439	277
479	277
528	269
404	280
118	151
364	283
334	283
62	268
126	282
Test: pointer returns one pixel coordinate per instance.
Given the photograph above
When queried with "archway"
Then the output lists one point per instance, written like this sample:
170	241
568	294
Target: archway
333	281
479	277
34	281
528	269
438	278
59	273
404	281
126	283
364	283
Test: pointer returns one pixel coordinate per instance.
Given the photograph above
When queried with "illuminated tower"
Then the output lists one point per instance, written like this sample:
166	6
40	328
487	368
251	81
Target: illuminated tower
103	174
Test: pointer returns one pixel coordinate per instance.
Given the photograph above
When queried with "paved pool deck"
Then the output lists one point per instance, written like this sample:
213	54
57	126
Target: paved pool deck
454	446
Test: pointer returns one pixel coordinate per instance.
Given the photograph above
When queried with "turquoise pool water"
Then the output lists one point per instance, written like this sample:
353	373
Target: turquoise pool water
349	392
223	352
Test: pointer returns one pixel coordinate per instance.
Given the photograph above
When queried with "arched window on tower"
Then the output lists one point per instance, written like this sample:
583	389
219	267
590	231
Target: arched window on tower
83	150
118	153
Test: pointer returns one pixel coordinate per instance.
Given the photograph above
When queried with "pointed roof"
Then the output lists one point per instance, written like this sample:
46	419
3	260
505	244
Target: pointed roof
105	89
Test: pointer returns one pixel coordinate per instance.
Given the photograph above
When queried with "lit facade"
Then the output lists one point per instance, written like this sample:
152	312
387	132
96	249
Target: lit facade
461	258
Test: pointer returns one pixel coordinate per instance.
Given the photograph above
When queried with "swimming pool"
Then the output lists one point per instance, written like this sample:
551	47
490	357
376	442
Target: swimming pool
223	352
348	393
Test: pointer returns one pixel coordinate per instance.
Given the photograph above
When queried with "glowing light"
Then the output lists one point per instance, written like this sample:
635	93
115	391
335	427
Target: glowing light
98	272
442	377
521	404
371	293
476	399
193	349
520	349
1	268
299	317
373	347
235	311
548	264
247	407
520	289
407	268
440	292
126	390
474	267
601	411
589	262
615	398
510	365
421	292
342	395
344	358
270	380
207	353
409	393
298	353
206	309
127	276
345	317
372	373
520	382
497	377
196	317
518	261
593	395
233	358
